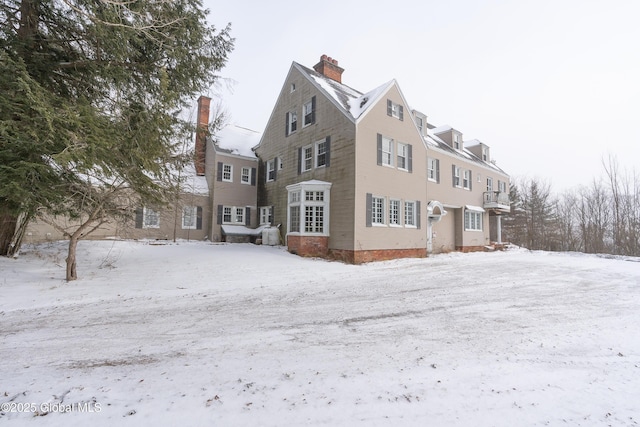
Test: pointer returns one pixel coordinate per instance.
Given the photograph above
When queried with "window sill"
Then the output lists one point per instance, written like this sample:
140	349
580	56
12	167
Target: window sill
411	226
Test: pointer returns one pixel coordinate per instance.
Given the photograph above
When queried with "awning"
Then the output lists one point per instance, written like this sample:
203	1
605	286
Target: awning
473	208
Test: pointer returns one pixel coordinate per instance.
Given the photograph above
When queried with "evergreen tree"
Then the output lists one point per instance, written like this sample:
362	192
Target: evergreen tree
91	101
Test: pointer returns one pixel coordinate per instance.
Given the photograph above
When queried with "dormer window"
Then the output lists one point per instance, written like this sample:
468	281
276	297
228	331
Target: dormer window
420	124
395	110
456	141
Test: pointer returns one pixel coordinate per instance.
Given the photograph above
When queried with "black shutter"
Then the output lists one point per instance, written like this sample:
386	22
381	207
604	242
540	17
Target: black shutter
139	218
389	107
286	124
219	214
299	161
379	149
313	109
410	158
247	216
438	171
327	151
369	208
253	176
401	112
470	180
453	175
199	218
219	171
418	214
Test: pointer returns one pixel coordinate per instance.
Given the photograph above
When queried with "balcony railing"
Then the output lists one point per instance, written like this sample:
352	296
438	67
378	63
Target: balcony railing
497	200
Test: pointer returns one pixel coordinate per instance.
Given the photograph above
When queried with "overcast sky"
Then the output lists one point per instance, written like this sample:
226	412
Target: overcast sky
552	86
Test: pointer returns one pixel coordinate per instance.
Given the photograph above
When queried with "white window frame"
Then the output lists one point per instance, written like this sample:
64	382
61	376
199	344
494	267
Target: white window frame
150	218
307	158
307	111
238	216
410	214
227	172
489	183
420	124
189	213
235	215
292	124
502	186
323	144
456	141
245	177
266	215
227	211
432	169
395	213
395	110
387	151
270	170
378	217
456	176
466	179
308	206
403	153
472	220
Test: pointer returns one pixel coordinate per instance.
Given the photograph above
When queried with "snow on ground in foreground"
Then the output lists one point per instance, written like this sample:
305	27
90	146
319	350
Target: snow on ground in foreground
203	334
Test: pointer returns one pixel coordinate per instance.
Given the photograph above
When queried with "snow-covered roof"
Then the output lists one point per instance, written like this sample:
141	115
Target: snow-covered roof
241	230
237	140
192	182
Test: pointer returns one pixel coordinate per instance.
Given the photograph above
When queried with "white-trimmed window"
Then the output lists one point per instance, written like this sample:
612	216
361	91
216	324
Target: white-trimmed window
292	122
307	158
233	215
271	170
456	141
266	215
227	218
394	212
387	151
502	186
395	110
227	173
377	211
321	153
489	183
433	169
466	179
456	176
239	215
472	220
150	218
419	123
409	214
308	209
308	112
245	178
403	153
189	217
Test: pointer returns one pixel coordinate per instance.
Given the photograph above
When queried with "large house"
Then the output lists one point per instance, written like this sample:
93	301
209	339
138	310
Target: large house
343	174
360	176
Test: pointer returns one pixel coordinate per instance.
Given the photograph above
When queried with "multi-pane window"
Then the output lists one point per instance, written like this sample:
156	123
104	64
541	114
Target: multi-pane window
489	184
321	153
432	169
189	217
456	141
387	151
227	173
292	122
394	212
502	186
377	210
308	208
271	170
394	110
410	213
266	215
150	218
307	113
226	214
466	180
307	158
472	220
245	178
239	215
456	176
419	123
402	156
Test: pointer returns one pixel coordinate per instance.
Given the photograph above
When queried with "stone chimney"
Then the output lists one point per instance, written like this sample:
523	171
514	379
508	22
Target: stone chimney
328	67
202	127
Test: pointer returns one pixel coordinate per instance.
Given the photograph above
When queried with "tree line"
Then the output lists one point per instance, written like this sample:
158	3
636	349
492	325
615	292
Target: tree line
602	217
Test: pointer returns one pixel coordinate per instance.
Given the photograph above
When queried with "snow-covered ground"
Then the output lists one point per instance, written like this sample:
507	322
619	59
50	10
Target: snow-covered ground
197	334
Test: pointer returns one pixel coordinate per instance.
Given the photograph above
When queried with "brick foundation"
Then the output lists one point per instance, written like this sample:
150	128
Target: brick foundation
466	249
310	246
359	257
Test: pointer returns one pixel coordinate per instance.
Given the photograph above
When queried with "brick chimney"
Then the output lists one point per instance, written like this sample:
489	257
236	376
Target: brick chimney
202	127
328	67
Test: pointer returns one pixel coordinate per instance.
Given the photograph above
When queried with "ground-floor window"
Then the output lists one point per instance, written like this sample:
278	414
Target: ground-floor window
472	220
308	208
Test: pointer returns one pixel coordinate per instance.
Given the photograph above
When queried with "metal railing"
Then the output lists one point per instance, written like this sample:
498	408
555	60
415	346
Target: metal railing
496	198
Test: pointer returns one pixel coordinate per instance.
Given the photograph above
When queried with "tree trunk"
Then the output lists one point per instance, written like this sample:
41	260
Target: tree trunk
72	274
12	229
